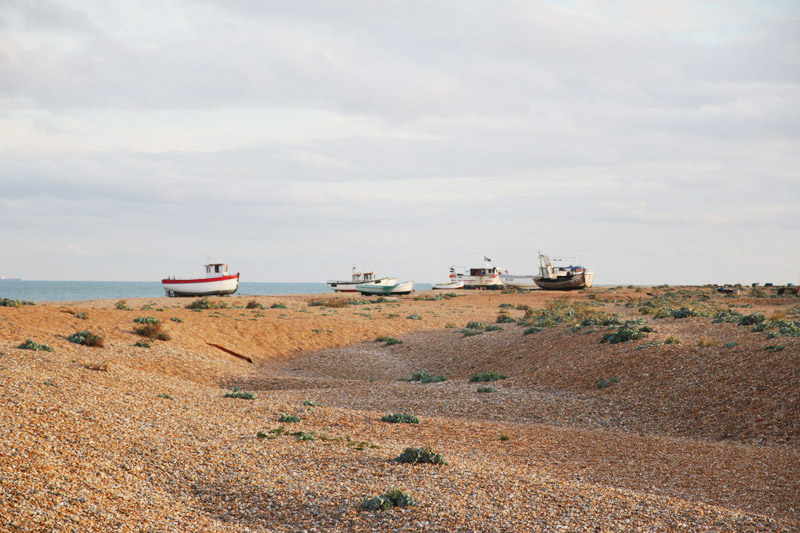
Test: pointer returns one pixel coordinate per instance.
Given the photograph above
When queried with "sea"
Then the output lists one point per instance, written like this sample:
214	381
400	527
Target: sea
69	291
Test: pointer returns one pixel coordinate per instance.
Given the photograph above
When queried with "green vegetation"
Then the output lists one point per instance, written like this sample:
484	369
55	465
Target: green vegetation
142	344
420	455
86	338
415	316
165	396
150	328
289	418
388	341
30	345
505	437
205	303
311	403
279	305
424	377
236	393
400	418
7	302
392	498
602	384
486	388
503	318
252	304
630	330
485	377
175	319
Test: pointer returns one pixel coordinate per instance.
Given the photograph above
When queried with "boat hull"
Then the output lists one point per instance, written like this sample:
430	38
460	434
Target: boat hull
448	286
394	289
343	286
526	282
201	286
571	283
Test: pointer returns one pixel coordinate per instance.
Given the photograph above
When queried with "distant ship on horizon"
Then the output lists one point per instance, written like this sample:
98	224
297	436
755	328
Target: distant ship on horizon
3	278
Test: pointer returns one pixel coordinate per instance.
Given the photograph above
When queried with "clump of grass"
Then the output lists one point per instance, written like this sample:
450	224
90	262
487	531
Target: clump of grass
35	346
672	340
7	302
175	319
279	305
150	328
469	332
86	338
421	455
531	330
424	377
486	388
304	435
388	341
122	305
475	325
414	316
311	403
752	319
237	393
142	344
205	303
400	418
602	384
252	304
503	318
505	437
82	315
392	498
774	348
485	377
332	303
286	417
165	396
628	331
494	327
506	306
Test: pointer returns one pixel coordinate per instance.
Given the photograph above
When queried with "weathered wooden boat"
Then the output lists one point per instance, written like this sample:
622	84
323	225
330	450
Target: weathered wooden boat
562	278
217	281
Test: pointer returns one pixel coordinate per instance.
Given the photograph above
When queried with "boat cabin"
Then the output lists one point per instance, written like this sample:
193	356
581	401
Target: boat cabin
216	270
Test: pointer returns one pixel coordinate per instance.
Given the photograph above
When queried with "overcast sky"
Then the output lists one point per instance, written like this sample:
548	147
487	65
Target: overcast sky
657	141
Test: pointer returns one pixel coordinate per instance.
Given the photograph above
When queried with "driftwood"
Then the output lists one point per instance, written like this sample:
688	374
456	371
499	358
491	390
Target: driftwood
240	356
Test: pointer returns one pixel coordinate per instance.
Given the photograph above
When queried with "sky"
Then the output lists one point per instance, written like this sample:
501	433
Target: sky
659	142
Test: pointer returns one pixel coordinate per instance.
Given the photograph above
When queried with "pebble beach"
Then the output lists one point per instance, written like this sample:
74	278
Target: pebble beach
693	425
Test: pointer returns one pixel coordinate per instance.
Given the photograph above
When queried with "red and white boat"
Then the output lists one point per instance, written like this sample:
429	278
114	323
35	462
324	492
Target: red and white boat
216	281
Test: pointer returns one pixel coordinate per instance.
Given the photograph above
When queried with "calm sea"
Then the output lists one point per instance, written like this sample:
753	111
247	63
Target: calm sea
67	291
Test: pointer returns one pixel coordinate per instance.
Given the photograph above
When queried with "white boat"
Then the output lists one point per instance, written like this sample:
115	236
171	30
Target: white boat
562	278
350	285
483	278
455	281
216	281
386	287
524	281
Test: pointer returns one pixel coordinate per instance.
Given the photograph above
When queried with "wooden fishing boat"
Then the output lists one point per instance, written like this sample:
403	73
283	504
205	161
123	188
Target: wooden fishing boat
562	278
217	281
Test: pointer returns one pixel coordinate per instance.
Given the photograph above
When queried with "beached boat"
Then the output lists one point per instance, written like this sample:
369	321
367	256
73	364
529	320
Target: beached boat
483	278
562	278
386	287
350	285
217	281
456	281
523	281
